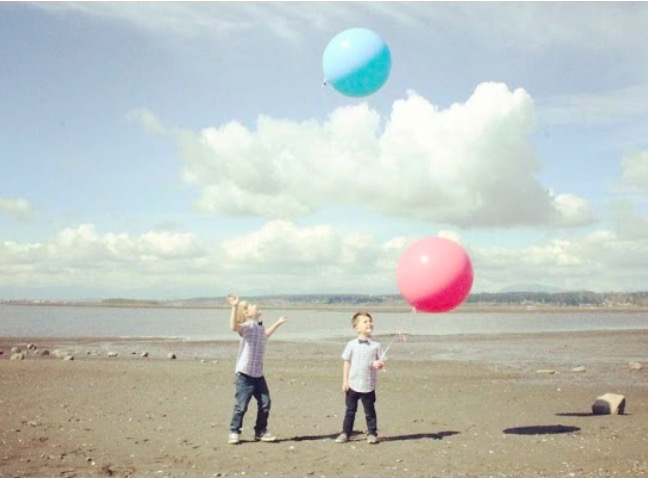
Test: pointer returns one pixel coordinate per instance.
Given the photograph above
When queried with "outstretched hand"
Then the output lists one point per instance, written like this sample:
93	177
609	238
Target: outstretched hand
233	300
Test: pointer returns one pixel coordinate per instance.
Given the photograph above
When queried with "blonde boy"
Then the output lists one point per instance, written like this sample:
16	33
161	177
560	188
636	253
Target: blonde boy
250	381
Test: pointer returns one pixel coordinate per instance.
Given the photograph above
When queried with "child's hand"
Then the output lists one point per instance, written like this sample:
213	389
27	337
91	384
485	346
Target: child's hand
282	320
345	386
378	364
232	300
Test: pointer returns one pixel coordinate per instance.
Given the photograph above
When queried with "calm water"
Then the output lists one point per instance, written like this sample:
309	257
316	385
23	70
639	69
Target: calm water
199	324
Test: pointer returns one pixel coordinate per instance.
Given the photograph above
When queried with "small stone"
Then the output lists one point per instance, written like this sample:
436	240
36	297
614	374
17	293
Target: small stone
172	356
17	356
579	369
112	354
547	371
144	354
635	366
68	358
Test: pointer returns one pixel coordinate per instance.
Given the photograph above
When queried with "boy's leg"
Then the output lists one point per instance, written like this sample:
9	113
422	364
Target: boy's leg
262	396
368	403
244	390
351	402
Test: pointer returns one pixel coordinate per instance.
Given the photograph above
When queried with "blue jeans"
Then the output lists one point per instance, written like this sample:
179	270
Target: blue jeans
368	403
246	388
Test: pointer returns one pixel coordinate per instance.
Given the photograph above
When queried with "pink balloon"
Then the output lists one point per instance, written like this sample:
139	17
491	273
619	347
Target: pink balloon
434	274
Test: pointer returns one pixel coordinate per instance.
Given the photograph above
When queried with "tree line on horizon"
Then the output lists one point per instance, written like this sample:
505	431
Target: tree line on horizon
555	299
564	299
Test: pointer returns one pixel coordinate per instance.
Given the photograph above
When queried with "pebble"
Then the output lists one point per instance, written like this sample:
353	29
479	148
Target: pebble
635	366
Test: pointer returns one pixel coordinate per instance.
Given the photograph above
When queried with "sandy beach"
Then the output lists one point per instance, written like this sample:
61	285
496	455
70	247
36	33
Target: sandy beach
513	406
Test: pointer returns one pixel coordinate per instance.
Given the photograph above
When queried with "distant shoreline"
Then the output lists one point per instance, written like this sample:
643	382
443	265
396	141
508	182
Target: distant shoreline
393	308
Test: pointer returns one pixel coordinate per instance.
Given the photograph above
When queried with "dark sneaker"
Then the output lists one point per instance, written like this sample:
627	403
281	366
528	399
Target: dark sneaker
265	436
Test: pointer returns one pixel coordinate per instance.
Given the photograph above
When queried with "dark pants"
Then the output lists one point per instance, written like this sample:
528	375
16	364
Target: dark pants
368	403
246	388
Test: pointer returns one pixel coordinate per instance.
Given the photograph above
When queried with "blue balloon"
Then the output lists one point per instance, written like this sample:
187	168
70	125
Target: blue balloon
356	62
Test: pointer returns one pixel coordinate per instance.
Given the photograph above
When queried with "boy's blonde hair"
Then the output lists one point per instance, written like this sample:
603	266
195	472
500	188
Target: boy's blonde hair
241	310
360	313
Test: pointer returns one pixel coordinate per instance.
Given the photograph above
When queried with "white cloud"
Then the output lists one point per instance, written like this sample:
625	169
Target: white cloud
209	21
16	207
573	210
536	26
605	108
278	257
604	260
182	19
635	170
472	164
519	25
80	257
283	257
147	120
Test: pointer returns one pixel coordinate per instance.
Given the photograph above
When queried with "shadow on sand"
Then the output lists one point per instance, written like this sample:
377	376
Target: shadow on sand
575	414
541	430
420	436
412	436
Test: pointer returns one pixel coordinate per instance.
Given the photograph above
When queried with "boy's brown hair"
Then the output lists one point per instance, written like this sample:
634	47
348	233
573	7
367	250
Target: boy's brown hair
354	319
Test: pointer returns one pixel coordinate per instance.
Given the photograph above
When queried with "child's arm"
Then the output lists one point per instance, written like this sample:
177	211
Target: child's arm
345	376
234	302
271	330
379	362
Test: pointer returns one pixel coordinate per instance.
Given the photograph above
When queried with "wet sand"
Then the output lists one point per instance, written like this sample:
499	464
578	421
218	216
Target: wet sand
448	406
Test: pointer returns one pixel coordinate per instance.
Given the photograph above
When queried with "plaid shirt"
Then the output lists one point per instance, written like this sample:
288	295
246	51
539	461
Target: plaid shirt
361	355
251	349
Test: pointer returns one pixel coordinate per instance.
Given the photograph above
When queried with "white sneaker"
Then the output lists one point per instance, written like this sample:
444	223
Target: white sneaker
234	439
342	438
265	436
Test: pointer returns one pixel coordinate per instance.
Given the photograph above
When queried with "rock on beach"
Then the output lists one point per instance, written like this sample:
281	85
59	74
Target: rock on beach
609	404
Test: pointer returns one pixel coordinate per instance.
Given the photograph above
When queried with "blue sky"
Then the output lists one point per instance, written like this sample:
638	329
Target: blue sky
170	150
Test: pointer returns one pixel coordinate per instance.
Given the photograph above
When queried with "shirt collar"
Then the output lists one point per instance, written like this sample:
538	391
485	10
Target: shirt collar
364	341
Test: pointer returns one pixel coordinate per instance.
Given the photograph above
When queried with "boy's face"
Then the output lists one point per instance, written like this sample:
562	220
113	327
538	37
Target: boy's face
364	325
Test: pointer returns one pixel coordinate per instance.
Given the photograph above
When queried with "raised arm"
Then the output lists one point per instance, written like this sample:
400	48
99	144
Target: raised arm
271	330
234	303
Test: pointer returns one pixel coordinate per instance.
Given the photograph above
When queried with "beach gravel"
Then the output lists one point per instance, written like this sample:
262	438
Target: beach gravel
142	415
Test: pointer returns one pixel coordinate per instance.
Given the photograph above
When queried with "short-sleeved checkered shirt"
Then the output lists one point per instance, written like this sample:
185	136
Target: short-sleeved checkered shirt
361	355
251	349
